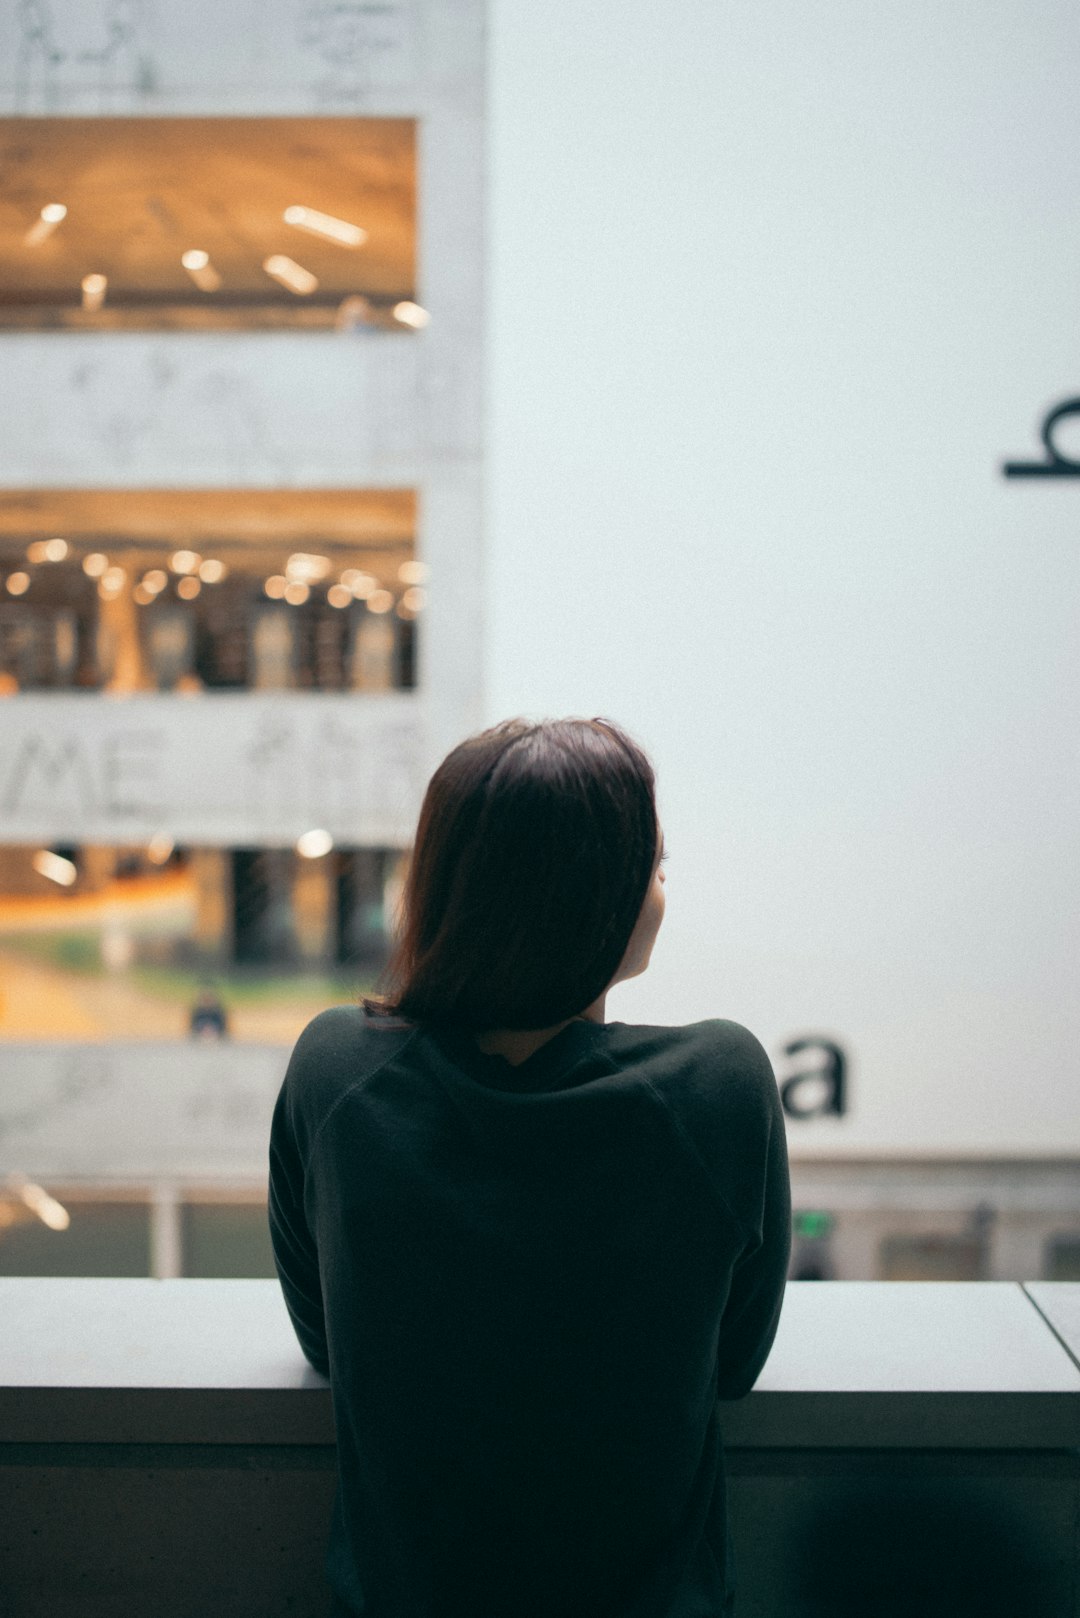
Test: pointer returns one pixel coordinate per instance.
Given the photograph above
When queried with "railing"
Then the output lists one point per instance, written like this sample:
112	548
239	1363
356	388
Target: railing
909	1449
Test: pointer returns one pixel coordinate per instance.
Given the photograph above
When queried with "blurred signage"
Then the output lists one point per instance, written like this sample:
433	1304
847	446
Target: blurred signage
816	1085
213	770
1056	464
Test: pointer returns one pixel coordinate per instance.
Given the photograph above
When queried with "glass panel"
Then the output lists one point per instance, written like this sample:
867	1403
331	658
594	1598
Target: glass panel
103	1238
226	1239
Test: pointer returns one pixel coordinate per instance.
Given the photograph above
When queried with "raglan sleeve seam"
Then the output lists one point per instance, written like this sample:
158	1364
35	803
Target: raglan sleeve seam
746	1234
339	1100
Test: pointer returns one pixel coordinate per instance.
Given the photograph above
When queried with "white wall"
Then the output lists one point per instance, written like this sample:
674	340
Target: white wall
774	288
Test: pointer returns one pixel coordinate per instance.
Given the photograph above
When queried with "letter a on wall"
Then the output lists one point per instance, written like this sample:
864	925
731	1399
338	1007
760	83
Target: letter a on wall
819	1088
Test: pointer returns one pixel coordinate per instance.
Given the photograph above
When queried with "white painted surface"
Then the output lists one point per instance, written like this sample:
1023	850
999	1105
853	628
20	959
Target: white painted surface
841	1337
120	1332
774	291
914	1337
1059	1303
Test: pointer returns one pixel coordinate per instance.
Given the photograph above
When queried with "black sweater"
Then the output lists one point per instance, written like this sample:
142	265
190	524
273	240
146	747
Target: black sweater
528	1286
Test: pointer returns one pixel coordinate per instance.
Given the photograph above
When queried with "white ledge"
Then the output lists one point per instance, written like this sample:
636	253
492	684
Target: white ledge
981	1365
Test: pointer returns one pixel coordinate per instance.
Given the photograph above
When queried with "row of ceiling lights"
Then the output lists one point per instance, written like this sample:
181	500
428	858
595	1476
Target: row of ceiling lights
279	266
302	570
59	868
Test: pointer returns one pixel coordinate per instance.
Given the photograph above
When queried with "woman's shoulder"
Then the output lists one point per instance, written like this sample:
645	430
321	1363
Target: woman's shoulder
716	1085
715	1065
713	1040
344	1044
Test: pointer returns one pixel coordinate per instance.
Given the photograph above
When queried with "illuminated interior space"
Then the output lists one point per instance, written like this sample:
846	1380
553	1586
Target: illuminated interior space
209	589
189	224
158	941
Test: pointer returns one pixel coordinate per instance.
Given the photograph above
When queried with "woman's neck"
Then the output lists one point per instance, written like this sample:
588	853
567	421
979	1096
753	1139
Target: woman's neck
518	1044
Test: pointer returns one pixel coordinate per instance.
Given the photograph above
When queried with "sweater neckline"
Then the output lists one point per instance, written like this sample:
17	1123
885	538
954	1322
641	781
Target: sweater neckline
543	1070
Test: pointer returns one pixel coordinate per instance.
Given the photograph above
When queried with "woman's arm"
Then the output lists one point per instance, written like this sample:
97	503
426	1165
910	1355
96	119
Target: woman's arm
295	1253
752	1314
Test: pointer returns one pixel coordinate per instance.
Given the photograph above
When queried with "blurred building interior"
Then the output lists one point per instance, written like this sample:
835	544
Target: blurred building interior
208	589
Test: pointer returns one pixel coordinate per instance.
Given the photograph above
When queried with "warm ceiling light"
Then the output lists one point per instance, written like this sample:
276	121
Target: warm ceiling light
313	844
380	601
188	588
93	291
415	598
18	583
290	274
411	314
38	1200
307	568
352	312
95	564
212	571
197	263
159	848
275	586
111	582
55	867
184	561
325	225
361	584
155	580
296	593
46	222
413	572
142	595
47	550
338	595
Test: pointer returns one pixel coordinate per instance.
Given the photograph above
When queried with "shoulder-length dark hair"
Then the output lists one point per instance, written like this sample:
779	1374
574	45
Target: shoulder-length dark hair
534	852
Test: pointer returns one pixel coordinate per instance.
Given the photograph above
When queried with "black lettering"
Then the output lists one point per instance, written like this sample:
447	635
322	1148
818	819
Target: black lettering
1057	464
128	762
50	766
829	1073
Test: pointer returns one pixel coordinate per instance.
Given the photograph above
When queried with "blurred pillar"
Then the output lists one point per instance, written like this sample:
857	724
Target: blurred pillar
166	1253
371	667
314	896
97	867
273	650
118	628
212	873
365	884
